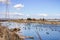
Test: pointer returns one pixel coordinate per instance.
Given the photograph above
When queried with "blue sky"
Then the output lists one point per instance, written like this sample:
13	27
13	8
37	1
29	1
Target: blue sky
31	8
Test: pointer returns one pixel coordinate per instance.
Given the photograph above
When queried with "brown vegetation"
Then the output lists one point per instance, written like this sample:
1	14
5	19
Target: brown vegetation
30	20
10	34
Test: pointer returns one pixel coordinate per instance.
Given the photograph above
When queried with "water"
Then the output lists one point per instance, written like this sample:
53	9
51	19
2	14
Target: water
38	31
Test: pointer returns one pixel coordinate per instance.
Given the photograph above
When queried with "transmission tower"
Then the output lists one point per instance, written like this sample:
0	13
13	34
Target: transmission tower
7	9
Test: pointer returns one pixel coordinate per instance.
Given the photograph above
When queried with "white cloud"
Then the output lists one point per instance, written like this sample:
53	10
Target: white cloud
57	14
27	15
2	0
5	1
12	15
15	13
18	6
43	15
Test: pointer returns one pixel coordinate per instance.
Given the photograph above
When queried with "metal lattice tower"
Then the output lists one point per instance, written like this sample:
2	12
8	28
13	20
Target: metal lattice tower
7	9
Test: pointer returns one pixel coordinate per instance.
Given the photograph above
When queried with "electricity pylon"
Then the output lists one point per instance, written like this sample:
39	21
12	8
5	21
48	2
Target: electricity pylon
7	9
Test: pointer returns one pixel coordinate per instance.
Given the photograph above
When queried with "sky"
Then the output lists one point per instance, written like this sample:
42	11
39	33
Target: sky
30	9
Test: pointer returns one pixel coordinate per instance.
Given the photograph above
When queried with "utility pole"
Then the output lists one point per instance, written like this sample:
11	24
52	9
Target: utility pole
7	10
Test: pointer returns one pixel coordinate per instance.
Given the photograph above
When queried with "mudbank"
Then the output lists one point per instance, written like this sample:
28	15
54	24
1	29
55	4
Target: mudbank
10	34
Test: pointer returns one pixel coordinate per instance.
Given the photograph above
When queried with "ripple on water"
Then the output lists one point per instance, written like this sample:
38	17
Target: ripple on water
46	31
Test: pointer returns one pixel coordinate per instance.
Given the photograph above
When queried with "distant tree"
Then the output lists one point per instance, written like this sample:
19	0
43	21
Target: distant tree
29	19
22	19
33	19
43	19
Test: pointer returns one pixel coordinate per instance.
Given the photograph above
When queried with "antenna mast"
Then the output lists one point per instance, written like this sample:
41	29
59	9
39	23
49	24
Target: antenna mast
7	9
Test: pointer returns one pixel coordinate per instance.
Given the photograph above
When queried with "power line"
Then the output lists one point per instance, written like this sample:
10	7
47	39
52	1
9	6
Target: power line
7	9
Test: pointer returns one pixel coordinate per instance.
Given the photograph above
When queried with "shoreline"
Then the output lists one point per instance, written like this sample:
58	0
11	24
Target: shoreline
32	21
36	21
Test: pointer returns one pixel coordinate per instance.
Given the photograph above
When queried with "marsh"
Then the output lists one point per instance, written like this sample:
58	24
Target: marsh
36	30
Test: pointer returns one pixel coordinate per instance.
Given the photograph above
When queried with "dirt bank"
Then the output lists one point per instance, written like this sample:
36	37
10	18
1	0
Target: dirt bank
36	21
11	34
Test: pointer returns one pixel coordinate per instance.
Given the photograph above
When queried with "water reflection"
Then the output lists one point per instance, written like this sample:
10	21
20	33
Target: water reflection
46	31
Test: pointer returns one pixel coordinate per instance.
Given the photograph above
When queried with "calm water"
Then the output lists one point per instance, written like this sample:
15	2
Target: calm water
43	31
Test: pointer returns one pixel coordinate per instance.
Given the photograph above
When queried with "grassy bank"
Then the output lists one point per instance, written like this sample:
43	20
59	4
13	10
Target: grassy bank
35	21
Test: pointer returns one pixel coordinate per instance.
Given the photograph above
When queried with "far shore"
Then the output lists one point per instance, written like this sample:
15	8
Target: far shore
36	21
41	21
